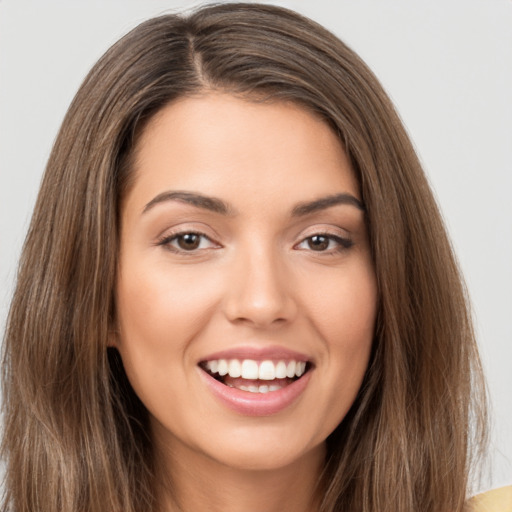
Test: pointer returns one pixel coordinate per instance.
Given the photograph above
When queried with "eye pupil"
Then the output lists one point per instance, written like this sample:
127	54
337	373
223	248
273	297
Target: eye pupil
318	242
189	241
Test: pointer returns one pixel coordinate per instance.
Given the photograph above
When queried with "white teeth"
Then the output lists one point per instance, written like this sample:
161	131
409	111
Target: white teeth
300	368
235	368
250	369
212	366
260	389
281	370
290	369
223	367
256	370
267	370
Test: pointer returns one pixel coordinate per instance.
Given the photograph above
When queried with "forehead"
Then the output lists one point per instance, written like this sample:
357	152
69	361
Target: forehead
223	145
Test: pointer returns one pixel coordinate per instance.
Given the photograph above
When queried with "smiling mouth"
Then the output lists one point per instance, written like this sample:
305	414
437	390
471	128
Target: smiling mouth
256	376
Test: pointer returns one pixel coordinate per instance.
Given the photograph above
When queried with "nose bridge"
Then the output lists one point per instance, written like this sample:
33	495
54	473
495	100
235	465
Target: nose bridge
258	289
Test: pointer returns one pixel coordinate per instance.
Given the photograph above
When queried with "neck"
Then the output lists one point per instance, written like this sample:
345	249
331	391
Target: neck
201	483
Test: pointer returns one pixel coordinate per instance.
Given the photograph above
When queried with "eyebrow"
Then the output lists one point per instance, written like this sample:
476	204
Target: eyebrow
219	206
207	203
326	202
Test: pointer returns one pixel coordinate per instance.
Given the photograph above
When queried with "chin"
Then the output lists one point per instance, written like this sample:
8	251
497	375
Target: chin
262	449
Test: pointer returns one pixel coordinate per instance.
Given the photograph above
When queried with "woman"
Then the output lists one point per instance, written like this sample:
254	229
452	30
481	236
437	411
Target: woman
167	278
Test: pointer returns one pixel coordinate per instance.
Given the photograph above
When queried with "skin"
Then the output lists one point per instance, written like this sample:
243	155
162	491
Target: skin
255	280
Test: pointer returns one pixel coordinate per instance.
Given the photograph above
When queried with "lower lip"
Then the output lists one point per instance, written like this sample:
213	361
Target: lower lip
257	404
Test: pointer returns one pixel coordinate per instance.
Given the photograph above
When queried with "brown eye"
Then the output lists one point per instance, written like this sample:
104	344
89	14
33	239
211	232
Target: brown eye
318	242
188	241
325	243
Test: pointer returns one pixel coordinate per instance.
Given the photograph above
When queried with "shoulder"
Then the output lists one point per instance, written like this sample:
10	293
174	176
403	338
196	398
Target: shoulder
497	500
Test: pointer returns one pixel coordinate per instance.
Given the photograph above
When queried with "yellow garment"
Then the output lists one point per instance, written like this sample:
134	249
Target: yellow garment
497	500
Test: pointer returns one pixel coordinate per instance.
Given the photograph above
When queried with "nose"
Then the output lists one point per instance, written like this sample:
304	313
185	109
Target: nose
259	293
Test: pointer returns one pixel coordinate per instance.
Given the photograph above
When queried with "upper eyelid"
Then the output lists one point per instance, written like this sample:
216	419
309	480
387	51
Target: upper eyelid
188	227
325	229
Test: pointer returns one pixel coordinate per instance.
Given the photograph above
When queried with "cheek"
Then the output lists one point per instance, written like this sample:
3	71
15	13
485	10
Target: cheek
343	315
344	306
162	301
159	312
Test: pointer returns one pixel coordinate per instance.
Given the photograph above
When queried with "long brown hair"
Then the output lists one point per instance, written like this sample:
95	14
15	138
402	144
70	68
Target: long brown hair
75	436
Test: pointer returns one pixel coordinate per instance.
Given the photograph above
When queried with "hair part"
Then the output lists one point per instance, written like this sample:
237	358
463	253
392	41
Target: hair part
76	435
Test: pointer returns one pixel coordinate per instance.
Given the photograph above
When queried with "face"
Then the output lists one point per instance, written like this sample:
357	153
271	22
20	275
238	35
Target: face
246	296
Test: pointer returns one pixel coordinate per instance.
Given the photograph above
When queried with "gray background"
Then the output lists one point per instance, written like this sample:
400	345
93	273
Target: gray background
447	64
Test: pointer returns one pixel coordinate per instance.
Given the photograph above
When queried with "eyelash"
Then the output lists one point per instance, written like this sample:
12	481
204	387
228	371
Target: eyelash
342	244
167	240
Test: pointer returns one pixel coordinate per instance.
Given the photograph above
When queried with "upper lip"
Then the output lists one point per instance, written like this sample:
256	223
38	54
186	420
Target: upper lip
273	353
